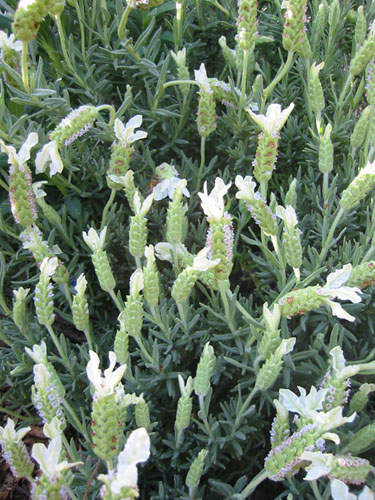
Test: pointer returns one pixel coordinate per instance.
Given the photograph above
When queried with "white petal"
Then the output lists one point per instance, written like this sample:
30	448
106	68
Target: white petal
24	152
340	491
137	448
339	277
338	311
119	129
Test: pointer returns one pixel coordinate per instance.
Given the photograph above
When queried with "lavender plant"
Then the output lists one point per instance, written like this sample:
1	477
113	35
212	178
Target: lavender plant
222	254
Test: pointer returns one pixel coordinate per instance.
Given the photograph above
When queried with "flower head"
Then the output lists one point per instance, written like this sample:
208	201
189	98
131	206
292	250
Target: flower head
126	133
246	187
288	215
104	386
334	289
202	263
274	119
168	183
94	240
48	458
9	42
23	155
9	433
213	203
201	77
49	156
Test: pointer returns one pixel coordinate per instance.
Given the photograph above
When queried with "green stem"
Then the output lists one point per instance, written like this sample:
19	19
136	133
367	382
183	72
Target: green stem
25	71
202	414
112	113
281	73
65	52
181	310
342	97
77	422
201	168
124	20
215	3
138	262
314	487
178	33
325	188
115	300
328	240
224	288
148	356
82	29
107	207
105	27
156	315
244	76
243	409
260	477
67	293
59	348
88	336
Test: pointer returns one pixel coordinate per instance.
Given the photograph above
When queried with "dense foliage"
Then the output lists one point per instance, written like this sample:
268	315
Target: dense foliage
92	92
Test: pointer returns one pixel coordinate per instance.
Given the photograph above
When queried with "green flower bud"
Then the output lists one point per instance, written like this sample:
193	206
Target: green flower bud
121	346
184	284
56	7
300	301
326	151
142	414
80	308
334	14
269	343
361	397
137	235
370	82
19	306
46	395
360	186
14	450
291	195
360	27
262	214
280	425
315	91
43	298
118	163
182	70
363	54
61	274
176	216
195	471
247	24
271	368
362	439
219	240
151	287
265	156
362	275
49	212
106	427
294	34
206	120
27	19
21	195
77	123
350	470
223	92
99	259
291	237
32	240
183	415
360	130
320	20
205	368
284	460
130	189
228	54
